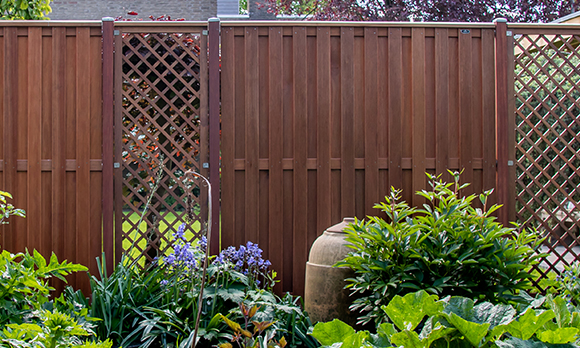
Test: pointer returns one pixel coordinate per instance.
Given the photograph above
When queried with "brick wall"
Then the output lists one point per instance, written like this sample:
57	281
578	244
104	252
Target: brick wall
97	9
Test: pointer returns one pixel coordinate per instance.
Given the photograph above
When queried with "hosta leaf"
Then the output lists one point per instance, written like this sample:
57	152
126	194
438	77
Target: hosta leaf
558	336
356	340
332	332
407	312
558	305
528	323
474	332
493	314
407	339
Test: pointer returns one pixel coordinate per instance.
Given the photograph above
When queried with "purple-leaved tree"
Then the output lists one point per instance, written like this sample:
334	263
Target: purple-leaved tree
427	10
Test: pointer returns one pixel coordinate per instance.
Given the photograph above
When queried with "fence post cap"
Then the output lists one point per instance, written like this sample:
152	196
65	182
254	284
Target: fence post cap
213	19
108	19
500	20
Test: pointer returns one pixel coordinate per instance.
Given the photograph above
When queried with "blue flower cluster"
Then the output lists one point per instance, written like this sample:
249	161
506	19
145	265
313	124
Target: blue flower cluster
247	260
184	256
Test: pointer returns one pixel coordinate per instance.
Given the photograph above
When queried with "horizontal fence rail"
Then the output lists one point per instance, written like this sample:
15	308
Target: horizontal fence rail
320	121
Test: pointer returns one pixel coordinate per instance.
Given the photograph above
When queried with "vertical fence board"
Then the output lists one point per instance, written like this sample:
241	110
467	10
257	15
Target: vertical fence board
442	102
10	123
58	140
488	107
418	118
34	138
347	187
323	145
228	134
300	155
252	136
276	247
465	109
371	169
395	107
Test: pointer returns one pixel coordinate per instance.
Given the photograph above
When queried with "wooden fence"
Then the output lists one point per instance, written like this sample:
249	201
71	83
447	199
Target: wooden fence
51	126
320	120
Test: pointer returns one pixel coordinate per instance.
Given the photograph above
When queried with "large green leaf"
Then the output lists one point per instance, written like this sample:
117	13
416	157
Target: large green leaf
335	331
558	336
560	308
528	323
408	311
408	339
474	332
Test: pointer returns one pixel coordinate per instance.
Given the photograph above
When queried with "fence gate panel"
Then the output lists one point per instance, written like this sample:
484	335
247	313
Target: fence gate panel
547	88
161	133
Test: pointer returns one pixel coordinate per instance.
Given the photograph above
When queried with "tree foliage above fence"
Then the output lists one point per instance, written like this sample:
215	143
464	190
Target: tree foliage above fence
430	10
25	9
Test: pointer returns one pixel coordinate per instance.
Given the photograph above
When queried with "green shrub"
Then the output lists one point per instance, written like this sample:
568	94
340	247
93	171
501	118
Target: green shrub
446	248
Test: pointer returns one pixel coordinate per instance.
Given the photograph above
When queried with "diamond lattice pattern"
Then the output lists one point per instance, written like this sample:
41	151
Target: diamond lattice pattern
161	124
547	89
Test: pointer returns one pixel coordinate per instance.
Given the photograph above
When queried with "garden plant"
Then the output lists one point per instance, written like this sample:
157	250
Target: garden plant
447	247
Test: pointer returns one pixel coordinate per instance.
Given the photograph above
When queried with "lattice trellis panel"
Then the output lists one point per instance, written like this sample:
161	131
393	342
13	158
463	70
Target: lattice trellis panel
161	132
547	88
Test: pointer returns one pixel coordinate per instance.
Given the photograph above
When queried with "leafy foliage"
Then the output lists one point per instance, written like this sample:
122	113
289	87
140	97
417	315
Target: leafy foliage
24	286
430	10
157	306
568	283
7	209
24	9
262	335
460	322
447	248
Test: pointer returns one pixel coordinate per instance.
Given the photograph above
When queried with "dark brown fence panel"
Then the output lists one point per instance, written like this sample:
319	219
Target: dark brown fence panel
547	106
50	116
319	121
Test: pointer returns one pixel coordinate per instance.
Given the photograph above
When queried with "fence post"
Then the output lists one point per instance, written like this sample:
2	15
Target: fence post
501	118
214	128
108	48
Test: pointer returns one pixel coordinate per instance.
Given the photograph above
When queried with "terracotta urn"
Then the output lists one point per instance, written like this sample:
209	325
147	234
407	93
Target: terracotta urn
324	295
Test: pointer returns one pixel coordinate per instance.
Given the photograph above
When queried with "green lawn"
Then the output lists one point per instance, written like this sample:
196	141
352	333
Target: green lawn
167	227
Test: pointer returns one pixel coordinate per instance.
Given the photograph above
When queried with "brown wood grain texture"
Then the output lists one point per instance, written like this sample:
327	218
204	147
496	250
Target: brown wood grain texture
488	110
347	186
252	136
395	108
34	208
371	170
10	123
46	144
204	128
511	204
501	113
214	125
58	133
95	151
276	248
118	147
418	116
466	120
228	134
300	154
442	102
324	126
83	126
108	95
